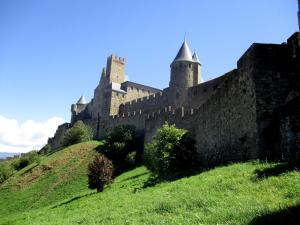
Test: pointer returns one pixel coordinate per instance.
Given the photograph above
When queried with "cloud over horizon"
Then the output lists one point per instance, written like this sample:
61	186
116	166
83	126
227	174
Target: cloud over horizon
30	135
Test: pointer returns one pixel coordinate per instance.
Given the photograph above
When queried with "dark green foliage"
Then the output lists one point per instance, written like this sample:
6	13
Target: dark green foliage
119	143
21	163
26	160
100	173
172	150
130	159
80	132
5	171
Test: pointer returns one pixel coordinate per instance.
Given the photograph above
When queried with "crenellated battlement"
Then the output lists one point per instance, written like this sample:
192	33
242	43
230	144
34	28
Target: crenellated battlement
147	103
118	58
232	117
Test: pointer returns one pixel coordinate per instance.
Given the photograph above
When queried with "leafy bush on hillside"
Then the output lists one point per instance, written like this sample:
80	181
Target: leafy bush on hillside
119	143
80	132
21	163
100	173
172	150
5	171
26	160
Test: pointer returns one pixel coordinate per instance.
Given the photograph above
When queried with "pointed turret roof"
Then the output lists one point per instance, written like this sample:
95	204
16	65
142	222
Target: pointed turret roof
184	53
195	58
81	101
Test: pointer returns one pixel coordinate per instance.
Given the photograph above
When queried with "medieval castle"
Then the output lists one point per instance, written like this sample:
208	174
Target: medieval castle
250	112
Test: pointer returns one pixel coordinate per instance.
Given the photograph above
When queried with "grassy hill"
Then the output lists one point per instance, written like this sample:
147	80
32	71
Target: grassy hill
55	192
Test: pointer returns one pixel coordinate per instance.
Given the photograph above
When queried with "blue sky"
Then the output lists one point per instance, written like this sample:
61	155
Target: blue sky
52	51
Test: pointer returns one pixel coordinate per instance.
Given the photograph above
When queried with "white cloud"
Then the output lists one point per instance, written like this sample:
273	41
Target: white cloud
15	137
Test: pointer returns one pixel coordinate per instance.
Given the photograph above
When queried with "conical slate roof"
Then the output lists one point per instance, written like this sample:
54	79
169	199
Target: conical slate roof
195	58
184	53
81	101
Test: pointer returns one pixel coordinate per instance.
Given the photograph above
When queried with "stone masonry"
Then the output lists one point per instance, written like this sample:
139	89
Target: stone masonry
248	113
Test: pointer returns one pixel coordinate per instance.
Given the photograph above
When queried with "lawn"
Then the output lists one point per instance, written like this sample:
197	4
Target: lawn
243	193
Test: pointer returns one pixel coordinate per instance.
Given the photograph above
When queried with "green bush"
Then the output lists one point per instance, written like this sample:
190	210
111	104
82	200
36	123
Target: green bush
119	143
5	171
80	132
172	150
26	160
100	173
21	163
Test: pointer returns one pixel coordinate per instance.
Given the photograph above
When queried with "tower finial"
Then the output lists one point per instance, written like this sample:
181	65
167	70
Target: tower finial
184	37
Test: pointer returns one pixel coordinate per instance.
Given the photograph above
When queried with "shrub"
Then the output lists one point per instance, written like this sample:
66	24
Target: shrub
100	173
26	160
119	143
78	133
5	171
172	150
21	163
33	156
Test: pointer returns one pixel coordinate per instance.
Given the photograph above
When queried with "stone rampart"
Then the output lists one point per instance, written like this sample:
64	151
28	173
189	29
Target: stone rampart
56	141
224	127
146	104
230	117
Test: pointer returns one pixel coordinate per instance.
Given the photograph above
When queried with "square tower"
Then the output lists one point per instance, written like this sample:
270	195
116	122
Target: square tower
115	69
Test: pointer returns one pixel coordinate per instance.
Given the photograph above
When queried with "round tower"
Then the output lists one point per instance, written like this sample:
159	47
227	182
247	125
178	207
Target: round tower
185	73
77	108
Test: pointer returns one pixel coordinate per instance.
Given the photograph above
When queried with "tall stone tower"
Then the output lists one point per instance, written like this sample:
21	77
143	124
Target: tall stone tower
185	73
78	108
115	69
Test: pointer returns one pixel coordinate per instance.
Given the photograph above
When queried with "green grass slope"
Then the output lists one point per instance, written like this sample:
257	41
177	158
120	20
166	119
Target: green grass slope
58	176
243	193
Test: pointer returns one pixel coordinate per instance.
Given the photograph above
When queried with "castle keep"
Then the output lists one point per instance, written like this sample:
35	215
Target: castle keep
250	112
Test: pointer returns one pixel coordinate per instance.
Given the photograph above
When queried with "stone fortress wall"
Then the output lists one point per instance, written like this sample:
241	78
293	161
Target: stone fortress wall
234	117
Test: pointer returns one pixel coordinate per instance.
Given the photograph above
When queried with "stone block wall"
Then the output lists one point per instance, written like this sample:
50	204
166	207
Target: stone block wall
288	131
224	127
56	141
107	125
275	71
233	118
115	69
197	95
146	104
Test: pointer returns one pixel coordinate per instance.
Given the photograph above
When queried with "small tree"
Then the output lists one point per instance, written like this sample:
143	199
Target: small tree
119	143
100	173
80	132
172	150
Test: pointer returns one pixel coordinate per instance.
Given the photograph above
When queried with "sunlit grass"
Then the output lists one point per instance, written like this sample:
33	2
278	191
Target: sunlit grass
234	194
